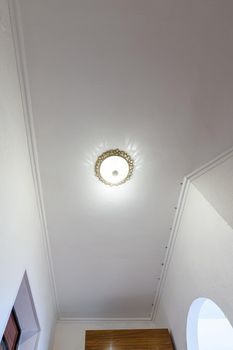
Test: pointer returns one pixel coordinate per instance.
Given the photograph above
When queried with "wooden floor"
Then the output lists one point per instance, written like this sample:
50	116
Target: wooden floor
133	339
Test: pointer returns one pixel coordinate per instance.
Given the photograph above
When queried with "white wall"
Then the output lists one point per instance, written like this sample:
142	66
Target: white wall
71	335
21	240
201	266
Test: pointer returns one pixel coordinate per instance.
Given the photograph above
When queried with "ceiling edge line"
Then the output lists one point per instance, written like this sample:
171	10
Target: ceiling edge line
210	165
171	245
188	179
19	48
84	320
16	28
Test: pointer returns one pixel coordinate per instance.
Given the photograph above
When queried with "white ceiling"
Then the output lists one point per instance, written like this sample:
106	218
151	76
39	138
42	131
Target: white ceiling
153	77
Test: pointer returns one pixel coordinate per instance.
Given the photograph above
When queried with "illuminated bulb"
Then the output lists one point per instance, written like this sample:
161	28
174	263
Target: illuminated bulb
114	167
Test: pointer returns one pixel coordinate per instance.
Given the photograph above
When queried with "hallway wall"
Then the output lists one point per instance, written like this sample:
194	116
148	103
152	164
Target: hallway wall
201	266
21	240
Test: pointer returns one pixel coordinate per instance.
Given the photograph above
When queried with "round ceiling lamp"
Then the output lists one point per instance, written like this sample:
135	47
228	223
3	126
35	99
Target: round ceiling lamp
114	167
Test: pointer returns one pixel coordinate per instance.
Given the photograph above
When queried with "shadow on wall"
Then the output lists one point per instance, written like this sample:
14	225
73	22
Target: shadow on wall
26	318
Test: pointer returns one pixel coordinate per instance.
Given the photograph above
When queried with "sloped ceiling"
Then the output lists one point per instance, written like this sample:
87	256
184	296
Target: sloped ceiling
154	78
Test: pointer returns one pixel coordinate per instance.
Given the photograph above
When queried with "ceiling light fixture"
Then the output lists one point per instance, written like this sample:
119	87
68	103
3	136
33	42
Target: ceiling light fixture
114	167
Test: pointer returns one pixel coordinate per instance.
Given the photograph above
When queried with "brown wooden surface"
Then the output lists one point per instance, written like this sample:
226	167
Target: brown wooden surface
133	339
12	332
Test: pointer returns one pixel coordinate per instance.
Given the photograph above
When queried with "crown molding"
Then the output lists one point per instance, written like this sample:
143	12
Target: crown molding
68	320
16	26
171	244
18	42
188	179
21	63
210	165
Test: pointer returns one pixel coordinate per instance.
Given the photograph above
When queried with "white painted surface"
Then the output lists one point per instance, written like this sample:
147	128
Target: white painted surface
215	334
217	187
30	344
71	335
214	330
201	265
192	324
21	242
115	73
207	327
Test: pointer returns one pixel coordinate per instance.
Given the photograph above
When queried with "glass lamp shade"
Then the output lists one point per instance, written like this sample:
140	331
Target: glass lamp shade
114	167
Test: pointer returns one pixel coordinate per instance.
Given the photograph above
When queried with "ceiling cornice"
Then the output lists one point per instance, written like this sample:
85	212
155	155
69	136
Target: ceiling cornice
17	34
188	179
18	41
28	120
109	319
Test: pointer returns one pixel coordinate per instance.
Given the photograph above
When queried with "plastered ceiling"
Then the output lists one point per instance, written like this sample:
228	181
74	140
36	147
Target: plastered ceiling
154	78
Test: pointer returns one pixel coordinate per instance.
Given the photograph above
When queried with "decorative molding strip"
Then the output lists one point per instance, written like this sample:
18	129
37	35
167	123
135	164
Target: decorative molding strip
18	41
171	244
210	165
28	120
188	179
117	320
29	126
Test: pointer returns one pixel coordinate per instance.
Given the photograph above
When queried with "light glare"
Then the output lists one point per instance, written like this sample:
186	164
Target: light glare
114	169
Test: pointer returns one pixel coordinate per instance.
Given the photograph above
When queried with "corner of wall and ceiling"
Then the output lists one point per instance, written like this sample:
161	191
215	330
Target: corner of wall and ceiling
28	120
188	179
16	27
